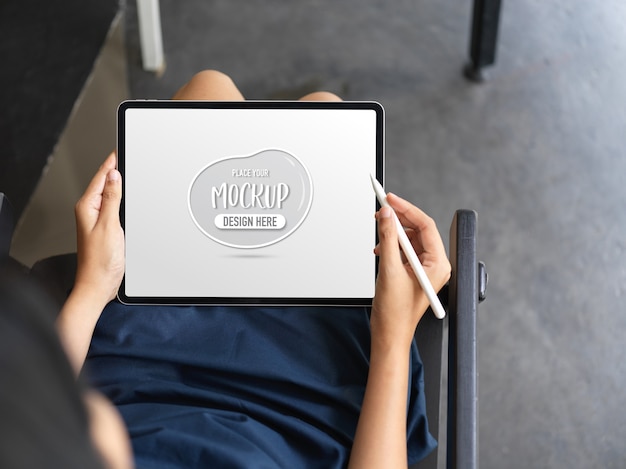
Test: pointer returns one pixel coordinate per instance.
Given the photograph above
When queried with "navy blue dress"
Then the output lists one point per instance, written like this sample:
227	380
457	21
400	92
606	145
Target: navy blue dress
242	387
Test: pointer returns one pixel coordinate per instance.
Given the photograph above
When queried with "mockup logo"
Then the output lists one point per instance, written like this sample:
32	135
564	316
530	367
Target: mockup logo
251	201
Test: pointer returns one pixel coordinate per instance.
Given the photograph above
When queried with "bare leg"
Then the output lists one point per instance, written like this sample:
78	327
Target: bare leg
210	85
320	96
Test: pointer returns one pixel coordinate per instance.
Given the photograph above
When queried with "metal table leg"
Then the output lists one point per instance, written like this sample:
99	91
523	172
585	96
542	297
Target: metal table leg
485	20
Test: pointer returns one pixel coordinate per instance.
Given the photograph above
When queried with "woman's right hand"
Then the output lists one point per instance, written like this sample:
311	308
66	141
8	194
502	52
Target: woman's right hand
399	304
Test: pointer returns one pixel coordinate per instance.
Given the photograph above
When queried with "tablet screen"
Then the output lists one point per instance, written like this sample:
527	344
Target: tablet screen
249	202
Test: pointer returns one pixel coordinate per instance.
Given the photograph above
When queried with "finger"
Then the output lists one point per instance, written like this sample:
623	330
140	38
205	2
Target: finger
388	248
403	257
111	197
87	208
415	239
96	186
424	226
410	216
110	162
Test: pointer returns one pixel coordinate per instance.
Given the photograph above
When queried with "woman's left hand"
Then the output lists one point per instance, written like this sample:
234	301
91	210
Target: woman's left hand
100	236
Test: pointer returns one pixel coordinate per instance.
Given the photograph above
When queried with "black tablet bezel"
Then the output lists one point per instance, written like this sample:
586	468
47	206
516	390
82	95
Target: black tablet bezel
246	301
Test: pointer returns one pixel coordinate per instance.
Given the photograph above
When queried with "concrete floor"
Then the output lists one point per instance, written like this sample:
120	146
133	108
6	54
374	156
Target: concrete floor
46	227
538	151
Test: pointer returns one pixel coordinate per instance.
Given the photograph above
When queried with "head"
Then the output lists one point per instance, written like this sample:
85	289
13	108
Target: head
48	418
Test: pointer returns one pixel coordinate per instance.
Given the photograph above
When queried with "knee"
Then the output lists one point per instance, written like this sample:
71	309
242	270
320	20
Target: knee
321	96
211	78
210	85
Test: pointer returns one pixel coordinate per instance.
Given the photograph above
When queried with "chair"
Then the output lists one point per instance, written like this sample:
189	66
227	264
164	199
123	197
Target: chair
449	352
448	347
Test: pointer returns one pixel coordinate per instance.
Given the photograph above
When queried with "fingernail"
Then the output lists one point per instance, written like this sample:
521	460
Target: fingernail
385	212
113	175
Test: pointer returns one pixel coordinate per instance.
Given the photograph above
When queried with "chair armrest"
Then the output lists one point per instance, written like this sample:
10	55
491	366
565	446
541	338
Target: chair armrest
449	352
56	274
462	441
7	225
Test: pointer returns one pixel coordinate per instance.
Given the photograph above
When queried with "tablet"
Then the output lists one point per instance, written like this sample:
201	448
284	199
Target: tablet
249	202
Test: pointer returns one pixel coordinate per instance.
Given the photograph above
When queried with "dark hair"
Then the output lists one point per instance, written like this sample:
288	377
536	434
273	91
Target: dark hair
43	421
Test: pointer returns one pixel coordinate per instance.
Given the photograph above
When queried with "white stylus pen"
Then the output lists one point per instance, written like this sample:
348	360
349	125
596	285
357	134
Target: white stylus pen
410	255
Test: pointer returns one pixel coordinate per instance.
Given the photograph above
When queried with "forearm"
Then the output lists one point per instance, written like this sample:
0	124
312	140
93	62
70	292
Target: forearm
398	305
380	440
76	323
100	267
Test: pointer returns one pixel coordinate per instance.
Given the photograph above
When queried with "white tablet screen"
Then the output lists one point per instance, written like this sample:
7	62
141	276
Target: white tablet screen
249	202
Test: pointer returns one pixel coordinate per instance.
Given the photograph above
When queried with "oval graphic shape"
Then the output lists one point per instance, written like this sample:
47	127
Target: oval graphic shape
251	201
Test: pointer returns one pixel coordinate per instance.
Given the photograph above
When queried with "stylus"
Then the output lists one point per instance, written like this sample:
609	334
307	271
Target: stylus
410	255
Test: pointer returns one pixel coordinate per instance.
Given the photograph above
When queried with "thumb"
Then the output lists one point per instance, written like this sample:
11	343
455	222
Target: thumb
111	196
388	240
